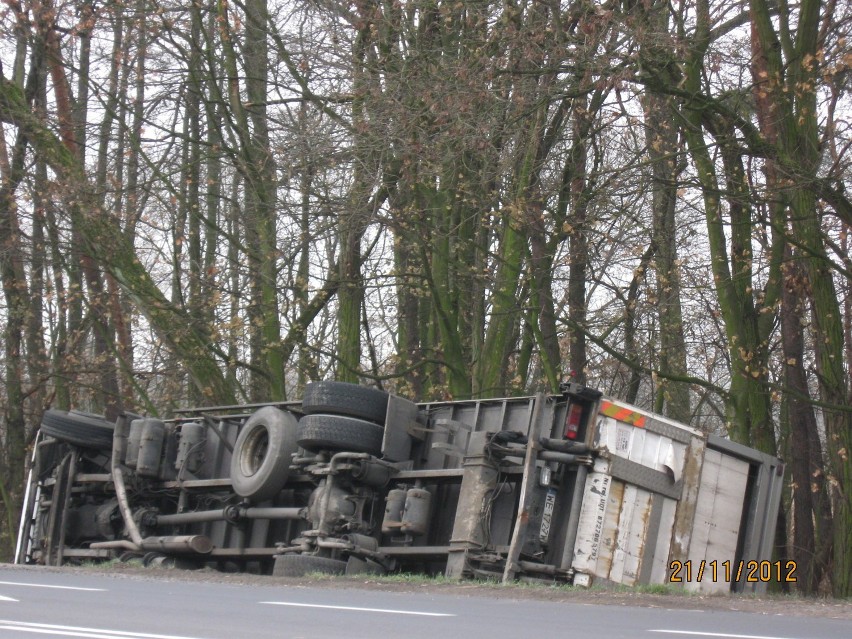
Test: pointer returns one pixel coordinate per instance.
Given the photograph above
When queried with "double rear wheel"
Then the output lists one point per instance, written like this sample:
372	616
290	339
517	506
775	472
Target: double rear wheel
343	417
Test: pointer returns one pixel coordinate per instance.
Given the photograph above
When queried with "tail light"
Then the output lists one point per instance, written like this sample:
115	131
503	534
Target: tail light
573	420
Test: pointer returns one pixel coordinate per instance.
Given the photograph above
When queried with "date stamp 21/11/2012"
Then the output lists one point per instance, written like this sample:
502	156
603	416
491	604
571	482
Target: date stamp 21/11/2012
732	571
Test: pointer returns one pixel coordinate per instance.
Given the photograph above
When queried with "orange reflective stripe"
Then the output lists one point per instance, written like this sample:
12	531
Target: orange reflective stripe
622	414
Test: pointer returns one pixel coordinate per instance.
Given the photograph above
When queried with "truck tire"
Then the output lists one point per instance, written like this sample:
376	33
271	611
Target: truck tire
84	430
351	400
336	432
358	566
260	462
300	565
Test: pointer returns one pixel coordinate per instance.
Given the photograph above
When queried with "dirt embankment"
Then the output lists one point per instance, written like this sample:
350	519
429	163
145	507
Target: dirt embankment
768	605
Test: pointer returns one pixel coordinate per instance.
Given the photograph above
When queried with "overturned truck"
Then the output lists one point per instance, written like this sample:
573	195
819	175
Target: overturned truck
569	487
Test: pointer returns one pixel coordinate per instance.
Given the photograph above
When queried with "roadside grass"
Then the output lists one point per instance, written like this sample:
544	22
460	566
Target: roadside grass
419	579
107	564
440	581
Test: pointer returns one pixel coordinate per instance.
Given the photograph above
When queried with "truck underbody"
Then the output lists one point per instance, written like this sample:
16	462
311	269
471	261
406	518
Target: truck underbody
569	487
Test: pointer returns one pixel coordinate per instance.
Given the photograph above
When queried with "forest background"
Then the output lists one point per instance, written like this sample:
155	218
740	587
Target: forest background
216	202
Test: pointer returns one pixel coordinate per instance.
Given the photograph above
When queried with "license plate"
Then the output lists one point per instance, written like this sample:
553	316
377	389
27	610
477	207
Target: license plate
547	516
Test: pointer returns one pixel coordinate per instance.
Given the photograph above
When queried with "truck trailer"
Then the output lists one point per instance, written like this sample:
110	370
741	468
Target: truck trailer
570	487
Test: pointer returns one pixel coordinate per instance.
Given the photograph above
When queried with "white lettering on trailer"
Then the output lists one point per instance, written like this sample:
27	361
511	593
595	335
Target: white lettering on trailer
623	436
590	531
355	609
603	492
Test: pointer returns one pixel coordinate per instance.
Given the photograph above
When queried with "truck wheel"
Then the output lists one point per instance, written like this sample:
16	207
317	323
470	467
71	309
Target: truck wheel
351	400
260	462
86	431
300	565
335	432
358	566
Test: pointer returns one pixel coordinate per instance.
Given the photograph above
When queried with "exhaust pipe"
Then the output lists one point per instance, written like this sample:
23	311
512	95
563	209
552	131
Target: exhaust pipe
197	544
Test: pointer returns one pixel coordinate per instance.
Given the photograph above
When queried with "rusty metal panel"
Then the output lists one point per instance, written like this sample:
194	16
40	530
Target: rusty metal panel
591	529
606	552
630	513
685	515
631	537
655	565
625	538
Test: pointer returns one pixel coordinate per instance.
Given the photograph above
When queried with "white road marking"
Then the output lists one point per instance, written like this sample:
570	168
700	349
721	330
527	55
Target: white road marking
63	633
77	631
384	610
2	598
716	634
685	610
18	583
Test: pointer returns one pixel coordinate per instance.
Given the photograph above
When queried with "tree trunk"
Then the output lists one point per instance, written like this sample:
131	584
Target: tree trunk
663	145
579	250
261	200
15	291
811	541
